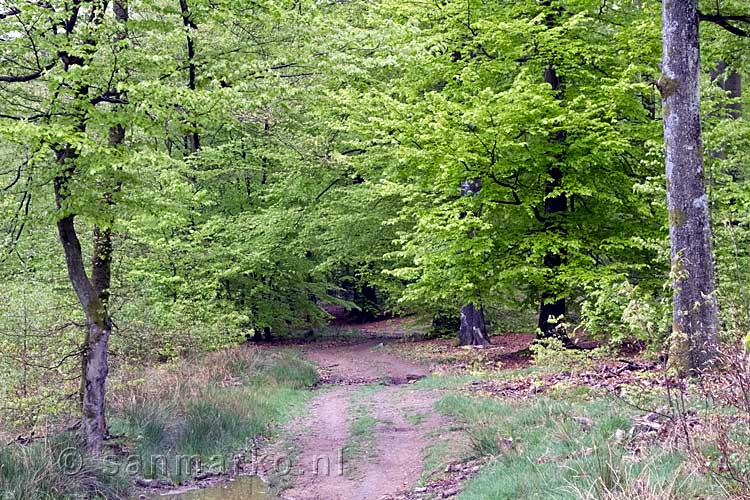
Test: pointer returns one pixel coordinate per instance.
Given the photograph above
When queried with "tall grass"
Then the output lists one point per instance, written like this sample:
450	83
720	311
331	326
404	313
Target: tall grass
171	421
192	416
39	472
542	452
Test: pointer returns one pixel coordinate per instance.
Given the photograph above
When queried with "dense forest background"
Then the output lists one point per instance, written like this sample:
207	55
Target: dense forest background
232	168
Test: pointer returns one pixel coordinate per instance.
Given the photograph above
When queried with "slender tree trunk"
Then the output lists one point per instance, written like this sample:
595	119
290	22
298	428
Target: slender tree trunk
473	330
93	293
553	307
694	321
192	139
95	371
93	296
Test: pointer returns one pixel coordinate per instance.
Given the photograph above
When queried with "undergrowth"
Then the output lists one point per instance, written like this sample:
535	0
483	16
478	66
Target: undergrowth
169	422
566	449
190	417
53	469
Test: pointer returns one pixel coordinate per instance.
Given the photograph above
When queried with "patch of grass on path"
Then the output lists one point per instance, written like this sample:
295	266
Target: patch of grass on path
361	442
439	380
415	417
541	451
447	447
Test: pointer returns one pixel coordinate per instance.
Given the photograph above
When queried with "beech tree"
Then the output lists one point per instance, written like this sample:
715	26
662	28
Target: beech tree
472	329
476	97
695	313
59	114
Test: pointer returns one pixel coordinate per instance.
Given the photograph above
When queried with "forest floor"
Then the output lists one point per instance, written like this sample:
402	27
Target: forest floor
398	418
376	412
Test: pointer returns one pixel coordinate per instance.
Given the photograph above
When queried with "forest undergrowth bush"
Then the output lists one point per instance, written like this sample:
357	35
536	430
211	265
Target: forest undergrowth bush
711	417
39	471
552	354
618	311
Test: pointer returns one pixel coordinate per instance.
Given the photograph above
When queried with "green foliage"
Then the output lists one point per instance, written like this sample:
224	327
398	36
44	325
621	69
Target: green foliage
470	102
39	345
620	311
552	354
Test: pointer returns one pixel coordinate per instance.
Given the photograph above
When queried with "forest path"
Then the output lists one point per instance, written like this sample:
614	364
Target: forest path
367	430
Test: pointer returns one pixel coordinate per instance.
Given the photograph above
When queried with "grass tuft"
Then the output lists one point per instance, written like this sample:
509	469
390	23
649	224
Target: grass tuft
50	469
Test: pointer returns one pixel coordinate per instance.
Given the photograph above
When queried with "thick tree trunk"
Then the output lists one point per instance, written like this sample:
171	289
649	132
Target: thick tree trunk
264	334
473	329
694	310
552	307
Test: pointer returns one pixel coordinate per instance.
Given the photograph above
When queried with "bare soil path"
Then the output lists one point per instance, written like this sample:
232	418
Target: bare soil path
403	420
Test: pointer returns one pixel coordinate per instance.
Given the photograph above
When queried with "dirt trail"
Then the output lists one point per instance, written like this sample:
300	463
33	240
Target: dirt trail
394	463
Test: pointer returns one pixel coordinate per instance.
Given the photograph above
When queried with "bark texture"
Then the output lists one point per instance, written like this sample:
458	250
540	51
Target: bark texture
473	329
553	307
694	321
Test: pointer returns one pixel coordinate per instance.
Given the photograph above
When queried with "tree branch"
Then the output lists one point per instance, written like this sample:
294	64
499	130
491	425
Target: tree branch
29	77
12	11
726	22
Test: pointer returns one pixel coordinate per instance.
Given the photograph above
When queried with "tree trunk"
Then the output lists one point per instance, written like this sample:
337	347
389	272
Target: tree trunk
552	307
473	329
93	294
95	370
192	139
694	320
